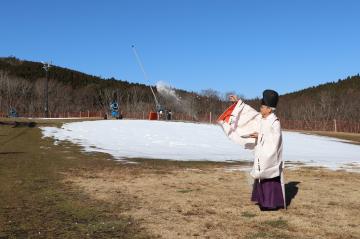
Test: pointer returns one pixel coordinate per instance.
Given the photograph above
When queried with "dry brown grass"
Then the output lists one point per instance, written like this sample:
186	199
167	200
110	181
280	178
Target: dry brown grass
50	188
354	137
211	202
34	201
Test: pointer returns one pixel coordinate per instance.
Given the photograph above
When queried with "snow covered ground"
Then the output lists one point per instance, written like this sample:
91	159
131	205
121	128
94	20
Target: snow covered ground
190	141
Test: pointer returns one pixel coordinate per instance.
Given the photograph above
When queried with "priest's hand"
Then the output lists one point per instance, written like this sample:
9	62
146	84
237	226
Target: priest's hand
233	98
254	135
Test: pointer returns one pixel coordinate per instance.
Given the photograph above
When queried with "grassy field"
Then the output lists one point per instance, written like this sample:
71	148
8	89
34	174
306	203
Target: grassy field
36	203
59	191
355	138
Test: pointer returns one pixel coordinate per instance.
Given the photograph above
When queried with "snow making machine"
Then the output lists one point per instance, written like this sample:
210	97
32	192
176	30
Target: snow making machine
13	113
114	111
158	113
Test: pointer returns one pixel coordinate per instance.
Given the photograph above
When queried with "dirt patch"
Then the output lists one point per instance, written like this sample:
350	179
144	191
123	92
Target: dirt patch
214	203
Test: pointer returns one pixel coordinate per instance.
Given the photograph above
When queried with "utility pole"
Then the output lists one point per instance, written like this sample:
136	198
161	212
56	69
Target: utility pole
46	67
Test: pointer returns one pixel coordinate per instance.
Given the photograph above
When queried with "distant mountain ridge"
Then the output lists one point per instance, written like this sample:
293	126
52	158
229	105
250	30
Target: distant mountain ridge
31	70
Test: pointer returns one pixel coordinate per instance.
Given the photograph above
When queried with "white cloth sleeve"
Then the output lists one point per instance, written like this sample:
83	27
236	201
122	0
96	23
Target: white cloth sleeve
244	120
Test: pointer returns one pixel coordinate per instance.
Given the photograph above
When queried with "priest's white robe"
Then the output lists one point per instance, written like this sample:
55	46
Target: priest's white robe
267	147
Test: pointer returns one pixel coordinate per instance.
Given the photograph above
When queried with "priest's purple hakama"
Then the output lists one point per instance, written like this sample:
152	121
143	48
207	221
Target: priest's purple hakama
268	193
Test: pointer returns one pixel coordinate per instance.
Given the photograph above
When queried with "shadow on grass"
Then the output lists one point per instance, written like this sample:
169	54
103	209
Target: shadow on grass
291	190
6	153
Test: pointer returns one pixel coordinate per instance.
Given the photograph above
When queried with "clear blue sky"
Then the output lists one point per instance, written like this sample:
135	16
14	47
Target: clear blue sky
245	46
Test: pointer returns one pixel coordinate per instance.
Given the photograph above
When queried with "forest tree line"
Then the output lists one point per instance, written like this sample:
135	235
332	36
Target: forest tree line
22	87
